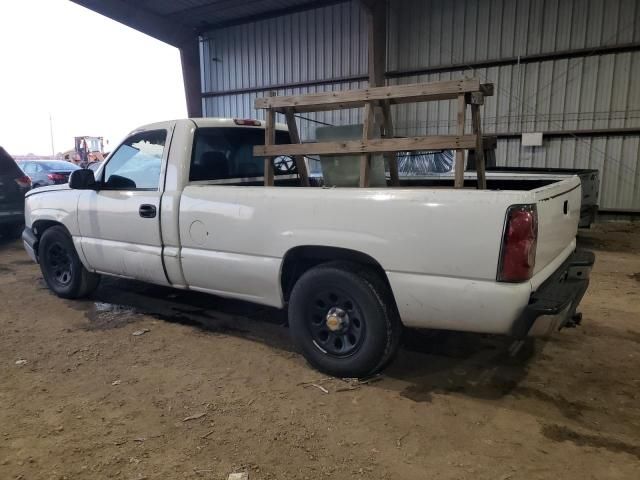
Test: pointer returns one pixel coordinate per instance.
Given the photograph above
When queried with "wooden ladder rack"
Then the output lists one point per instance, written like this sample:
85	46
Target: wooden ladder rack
466	92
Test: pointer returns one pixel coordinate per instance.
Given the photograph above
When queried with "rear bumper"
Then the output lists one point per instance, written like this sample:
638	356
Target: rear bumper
587	215
555	302
30	242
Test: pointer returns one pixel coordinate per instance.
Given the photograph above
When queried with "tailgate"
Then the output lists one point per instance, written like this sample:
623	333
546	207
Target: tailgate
558	216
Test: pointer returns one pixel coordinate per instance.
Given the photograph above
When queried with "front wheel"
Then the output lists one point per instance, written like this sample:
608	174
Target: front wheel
61	268
343	319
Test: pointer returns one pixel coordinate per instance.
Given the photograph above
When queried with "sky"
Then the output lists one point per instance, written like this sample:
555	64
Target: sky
94	76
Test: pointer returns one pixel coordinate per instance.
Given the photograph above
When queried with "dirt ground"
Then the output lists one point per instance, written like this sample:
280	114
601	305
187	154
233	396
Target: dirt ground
212	387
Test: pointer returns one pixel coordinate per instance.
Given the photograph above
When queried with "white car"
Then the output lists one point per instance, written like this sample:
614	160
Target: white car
181	203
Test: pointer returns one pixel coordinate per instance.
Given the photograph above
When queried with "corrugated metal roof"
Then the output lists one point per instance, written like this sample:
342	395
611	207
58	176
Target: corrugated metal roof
210	13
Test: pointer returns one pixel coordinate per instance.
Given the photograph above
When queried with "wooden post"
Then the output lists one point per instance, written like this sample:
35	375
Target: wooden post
365	158
301	165
269	139
479	150
386	130
462	112
377	62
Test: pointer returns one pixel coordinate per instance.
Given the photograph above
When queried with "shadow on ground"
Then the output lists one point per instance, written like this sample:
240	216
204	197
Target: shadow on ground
118	302
483	366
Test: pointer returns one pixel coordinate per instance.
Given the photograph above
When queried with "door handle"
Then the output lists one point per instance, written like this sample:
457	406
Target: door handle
147	211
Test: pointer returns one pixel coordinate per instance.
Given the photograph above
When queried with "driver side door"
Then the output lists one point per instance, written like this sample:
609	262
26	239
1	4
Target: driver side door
119	223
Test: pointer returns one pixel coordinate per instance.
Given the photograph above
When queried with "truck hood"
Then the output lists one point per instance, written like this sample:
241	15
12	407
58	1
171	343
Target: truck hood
49	188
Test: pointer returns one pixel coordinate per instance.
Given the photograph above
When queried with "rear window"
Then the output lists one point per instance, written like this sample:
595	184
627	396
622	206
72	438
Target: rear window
224	153
7	165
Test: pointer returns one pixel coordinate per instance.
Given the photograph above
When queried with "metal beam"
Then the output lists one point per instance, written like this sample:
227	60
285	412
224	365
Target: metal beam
169	31
146	21
377	40
538	57
190	60
440	68
590	132
310	5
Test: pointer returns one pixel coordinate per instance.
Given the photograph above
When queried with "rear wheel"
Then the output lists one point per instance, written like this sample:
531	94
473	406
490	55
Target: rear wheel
61	268
343	319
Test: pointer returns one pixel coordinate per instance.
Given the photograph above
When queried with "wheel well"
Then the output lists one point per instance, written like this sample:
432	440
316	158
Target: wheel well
39	226
300	259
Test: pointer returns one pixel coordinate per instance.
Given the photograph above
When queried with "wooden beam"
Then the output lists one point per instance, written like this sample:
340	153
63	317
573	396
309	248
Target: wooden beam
459	171
301	165
479	150
368	123
376	145
269	141
386	130
394	94
376	11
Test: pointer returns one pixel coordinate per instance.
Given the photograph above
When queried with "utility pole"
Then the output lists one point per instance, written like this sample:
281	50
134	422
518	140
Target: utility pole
53	151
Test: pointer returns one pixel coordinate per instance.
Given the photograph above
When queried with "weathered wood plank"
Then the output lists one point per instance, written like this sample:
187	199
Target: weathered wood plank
417	92
387	132
479	151
459	172
269	140
376	145
367	132
294	135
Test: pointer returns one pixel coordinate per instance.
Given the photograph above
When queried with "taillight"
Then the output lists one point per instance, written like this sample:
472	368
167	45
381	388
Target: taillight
247	121
24	181
518	253
56	177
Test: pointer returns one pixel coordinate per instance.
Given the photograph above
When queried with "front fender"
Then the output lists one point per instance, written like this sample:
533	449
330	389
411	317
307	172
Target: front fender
55	206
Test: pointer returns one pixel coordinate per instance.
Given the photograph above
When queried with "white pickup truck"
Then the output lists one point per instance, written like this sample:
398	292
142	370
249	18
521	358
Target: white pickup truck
181	203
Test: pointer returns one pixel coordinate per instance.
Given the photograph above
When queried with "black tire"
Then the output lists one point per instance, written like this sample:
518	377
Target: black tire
61	268
368	325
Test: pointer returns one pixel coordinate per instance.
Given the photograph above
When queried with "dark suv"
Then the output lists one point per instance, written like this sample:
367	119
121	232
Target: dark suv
13	185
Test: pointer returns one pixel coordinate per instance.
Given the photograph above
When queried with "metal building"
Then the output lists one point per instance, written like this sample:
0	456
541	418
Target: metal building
566	68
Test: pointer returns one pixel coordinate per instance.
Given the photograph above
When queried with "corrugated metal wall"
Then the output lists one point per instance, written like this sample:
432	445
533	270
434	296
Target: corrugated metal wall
311	46
584	92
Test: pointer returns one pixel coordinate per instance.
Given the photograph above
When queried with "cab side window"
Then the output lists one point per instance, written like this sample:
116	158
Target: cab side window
136	164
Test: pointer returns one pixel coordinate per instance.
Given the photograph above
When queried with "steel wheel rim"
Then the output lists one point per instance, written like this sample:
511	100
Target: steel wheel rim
59	264
336	323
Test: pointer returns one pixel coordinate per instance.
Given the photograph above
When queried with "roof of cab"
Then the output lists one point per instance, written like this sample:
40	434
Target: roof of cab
230	122
209	122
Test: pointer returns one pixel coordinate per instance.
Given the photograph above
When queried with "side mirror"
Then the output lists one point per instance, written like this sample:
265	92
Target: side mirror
82	179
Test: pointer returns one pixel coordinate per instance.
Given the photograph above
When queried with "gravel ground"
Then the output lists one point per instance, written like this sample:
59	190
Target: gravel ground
148	382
